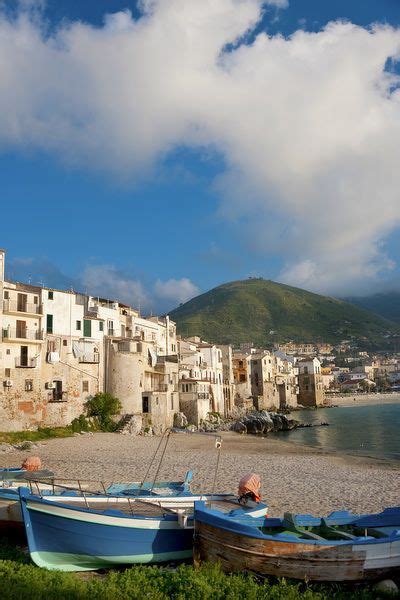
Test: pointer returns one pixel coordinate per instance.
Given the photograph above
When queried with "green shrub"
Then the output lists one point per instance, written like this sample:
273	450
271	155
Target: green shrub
104	406
80	424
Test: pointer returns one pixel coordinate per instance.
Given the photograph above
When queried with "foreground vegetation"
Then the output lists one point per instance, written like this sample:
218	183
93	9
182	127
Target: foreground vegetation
99	415
14	437
21	579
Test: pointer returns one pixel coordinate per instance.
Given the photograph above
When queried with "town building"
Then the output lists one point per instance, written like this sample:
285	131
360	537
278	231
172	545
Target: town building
58	348
273	381
311	390
201	376
242	378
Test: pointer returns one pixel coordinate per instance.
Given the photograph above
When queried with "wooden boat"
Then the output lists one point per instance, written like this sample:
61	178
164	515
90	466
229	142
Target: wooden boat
167	494
65	537
340	547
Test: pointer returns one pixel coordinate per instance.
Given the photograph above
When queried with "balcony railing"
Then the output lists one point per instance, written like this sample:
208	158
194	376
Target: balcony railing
58	396
28	363
24	307
93	309
93	358
22	334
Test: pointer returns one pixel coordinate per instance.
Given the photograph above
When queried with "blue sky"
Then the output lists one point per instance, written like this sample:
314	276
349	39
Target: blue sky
195	211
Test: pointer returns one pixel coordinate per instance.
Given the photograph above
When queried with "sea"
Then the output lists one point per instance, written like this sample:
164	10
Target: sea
370	430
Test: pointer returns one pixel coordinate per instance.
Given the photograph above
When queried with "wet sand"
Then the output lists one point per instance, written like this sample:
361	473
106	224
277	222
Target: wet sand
294	477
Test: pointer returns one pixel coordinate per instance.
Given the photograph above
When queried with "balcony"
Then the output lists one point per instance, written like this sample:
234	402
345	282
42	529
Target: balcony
55	396
25	362
27	335
92	358
11	306
93	309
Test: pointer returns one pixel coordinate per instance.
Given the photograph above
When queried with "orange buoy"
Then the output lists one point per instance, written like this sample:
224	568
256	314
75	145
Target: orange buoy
32	463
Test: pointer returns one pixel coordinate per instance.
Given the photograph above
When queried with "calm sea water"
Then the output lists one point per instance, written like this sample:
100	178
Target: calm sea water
366	430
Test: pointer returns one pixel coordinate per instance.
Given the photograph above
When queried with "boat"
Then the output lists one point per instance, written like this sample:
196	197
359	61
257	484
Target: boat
342	547
166	494
63	536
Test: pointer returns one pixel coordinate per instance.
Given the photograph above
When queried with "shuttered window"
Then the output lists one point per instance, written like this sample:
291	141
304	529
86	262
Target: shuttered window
87	328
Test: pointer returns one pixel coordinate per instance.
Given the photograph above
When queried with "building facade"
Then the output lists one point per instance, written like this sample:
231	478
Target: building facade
59	348
311	388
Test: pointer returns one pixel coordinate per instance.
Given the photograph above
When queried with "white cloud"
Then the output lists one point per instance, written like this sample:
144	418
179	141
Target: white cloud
308	126
176	291
109	282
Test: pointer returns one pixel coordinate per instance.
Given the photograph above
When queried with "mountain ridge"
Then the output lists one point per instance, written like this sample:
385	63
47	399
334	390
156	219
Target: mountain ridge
262	311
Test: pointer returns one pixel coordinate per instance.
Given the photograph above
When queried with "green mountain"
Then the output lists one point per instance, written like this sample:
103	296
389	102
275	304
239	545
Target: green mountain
385	304
263	312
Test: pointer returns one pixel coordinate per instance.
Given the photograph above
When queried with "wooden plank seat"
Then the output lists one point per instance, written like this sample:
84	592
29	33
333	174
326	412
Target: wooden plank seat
289	521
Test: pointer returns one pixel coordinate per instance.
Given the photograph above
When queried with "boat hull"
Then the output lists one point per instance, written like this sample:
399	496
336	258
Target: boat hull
70	539
237	550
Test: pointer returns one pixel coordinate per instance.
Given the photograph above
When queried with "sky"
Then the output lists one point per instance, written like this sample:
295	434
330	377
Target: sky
152	150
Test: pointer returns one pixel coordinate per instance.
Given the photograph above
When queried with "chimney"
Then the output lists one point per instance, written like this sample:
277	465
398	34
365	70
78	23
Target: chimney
2	263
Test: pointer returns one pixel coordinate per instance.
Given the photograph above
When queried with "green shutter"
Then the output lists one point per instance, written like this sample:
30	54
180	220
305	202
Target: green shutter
87	328
49	323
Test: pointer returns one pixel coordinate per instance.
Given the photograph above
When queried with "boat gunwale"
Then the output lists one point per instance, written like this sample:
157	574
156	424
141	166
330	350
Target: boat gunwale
218	520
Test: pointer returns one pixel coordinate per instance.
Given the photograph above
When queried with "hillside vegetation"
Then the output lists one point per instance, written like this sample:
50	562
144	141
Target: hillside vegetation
262	311
386	304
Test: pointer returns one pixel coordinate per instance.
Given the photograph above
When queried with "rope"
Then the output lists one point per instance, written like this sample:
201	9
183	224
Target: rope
161	459
153	459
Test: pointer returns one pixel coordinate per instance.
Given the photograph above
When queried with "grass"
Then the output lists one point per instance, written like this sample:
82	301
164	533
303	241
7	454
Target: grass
45	433
21	579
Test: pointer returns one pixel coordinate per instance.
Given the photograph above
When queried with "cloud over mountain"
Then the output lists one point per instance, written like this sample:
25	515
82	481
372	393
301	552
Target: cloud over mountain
308	126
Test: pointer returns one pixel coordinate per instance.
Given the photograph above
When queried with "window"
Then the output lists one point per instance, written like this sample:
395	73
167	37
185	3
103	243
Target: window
78	325
305	370
87	328
35	300
85	386
65	342
57	391
50	295
28	385
6	295
242	377
23	356
49	323
145	404
7	373
8	351
101	326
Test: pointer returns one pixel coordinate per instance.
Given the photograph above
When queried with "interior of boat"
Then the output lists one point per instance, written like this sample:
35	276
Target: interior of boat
325	530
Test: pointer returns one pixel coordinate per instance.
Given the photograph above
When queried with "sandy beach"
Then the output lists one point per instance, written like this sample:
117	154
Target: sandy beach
363	399
294	477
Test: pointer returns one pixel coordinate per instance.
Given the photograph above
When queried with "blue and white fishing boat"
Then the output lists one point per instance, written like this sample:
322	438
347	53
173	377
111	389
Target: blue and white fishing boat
168	494
341	547
65	537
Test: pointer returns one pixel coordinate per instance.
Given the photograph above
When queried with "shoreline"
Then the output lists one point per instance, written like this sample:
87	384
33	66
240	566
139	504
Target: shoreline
294	477
361	400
